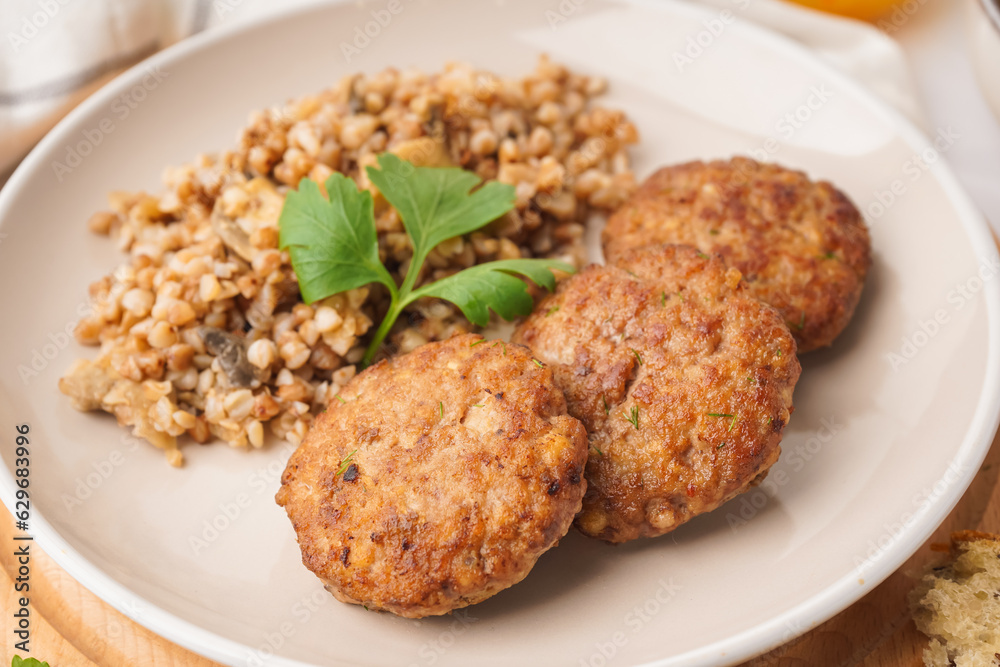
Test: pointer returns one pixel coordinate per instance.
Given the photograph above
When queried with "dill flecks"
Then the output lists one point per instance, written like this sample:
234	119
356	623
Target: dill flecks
638	357
724	415
606	408
345	464
552	311
632	416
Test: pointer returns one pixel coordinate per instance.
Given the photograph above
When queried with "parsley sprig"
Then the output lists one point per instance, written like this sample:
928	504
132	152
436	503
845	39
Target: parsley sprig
18	661
334	246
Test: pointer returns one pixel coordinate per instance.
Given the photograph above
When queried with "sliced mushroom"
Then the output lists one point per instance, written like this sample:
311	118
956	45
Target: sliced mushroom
235	238
231	351
269	299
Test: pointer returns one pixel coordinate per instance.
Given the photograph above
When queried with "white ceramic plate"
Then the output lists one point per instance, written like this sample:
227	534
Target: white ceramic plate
877	453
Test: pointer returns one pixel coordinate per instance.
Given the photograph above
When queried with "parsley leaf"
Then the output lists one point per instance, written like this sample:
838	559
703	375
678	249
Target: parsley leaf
436	204
18	661
333	242
492	285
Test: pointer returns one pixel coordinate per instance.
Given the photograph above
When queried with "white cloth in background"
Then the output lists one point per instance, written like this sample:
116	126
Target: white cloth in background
56	52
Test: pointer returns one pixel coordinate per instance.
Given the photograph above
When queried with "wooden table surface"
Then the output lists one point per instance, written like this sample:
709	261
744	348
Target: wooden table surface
71	627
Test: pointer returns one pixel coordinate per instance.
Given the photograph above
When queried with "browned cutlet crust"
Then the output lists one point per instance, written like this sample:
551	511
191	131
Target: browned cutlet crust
439	482
673	342
801	246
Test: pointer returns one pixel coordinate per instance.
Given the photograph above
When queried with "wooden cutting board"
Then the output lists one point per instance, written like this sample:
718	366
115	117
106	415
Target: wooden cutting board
71	627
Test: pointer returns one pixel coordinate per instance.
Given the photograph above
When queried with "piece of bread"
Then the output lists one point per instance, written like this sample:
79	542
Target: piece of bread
957	604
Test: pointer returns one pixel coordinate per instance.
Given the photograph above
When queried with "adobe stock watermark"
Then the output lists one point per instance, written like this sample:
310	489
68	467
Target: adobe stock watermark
921	502
927	329
634	622
754	501
85	486
364	34
562	12
223	7
900	16
794	631
301	612
121	108
130	609
703	40
433	649
912	170
788	125
262	481
33	23
49	349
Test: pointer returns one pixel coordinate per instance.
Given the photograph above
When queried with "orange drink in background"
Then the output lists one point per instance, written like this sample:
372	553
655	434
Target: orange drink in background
868	10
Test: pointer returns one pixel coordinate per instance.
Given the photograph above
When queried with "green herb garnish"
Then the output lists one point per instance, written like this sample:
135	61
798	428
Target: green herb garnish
638	357
334	246
632	416
663	298
340	398
721	446
500	342
702	255
552	311
599	452
713	232
345	464
481	340
802	321
606	408
477	405
537	363
724	415
18	661
441	409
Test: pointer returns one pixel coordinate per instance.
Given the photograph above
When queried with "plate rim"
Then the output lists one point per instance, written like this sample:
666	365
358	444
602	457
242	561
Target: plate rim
764	636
